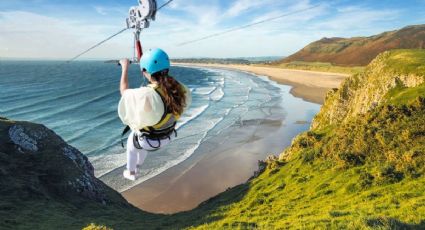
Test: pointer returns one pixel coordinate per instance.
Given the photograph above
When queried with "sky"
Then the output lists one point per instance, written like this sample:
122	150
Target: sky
56	29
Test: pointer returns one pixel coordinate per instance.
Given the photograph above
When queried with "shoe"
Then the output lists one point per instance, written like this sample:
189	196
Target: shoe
128	176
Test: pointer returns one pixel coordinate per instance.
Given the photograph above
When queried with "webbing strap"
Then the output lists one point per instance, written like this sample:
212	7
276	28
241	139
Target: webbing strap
126	129
155	130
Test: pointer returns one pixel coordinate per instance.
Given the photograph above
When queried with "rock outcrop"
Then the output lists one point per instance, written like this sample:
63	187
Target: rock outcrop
362	92
66	171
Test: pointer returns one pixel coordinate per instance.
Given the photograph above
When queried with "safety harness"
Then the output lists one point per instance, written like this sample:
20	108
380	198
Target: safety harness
162	130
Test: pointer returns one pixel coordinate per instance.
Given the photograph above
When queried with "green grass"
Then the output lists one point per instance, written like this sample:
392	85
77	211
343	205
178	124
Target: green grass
402	95
315	197
319	66
407	61
368	173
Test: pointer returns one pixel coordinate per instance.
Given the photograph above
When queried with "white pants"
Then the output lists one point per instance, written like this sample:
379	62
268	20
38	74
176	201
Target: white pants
136	157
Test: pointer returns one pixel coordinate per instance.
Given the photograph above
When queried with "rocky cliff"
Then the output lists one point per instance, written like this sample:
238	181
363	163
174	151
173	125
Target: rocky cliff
47	184
392	70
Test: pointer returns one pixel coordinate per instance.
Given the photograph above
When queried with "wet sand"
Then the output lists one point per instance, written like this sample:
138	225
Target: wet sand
203	176
311	86
225	162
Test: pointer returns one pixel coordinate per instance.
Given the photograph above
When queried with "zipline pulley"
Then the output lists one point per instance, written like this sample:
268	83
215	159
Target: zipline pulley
141	15
139	19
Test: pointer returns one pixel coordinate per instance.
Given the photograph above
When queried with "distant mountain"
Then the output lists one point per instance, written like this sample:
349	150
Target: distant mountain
359	51
238	60
212	60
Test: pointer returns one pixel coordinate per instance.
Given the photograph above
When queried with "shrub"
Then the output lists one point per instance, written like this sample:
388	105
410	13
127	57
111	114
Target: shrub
366	179
338	213
351	159
389	174
93	226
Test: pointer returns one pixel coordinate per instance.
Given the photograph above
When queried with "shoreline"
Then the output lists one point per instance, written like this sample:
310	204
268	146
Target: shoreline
222	163
205	174
311	86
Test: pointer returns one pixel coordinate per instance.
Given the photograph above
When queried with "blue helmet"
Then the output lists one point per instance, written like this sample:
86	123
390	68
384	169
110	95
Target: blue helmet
154	60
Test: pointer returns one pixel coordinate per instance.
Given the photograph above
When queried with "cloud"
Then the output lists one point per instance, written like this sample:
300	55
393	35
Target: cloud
241	7
353	18
111	10
30	35
62	36
100	10
199	13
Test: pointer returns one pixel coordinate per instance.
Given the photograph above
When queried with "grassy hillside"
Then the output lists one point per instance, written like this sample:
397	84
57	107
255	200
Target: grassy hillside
361	166
359	51
362	169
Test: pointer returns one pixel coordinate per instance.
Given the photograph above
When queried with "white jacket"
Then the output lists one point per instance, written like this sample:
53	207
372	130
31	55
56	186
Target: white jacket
142	107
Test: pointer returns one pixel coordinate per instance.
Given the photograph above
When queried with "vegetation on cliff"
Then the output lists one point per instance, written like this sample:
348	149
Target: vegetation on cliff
361	166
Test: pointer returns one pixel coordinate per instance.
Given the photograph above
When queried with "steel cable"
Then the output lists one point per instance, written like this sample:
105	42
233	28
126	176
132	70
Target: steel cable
246	26
110	37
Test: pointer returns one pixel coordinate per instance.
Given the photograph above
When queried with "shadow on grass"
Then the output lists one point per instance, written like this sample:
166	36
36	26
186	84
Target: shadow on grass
391	223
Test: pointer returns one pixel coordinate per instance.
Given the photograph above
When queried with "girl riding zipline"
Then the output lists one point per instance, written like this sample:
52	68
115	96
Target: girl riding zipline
150	112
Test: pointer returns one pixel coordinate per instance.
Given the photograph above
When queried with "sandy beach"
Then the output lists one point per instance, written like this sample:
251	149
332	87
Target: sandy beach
308	85
226	163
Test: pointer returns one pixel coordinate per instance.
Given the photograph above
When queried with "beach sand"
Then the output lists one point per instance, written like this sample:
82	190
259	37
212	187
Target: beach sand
220	163
311	86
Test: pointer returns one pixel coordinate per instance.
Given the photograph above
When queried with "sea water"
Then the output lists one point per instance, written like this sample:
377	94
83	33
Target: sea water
79	102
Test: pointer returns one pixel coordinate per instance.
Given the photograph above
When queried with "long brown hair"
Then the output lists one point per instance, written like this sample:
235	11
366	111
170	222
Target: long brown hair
174	97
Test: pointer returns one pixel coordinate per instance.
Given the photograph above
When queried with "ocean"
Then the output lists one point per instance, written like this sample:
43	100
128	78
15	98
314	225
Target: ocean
79	102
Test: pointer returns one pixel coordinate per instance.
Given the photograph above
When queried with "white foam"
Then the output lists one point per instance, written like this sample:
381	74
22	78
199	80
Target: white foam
189	151
110	163
105	164
217	95
205	90
190	115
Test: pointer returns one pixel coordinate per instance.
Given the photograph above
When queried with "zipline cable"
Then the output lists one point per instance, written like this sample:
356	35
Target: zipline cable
163	5
110	37
98	44
246	26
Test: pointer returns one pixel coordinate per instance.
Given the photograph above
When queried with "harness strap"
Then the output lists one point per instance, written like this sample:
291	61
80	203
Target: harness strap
154	132
154	147
126	129
136	142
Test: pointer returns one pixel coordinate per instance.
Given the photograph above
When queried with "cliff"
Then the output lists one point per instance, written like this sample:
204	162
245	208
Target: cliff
47	184
386	76
360	166
359	51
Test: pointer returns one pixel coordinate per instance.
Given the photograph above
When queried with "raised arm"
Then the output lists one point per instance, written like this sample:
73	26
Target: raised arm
124	75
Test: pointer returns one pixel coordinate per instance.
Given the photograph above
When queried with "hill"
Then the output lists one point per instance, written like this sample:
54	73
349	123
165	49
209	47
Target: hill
239	61
359	51
360	166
